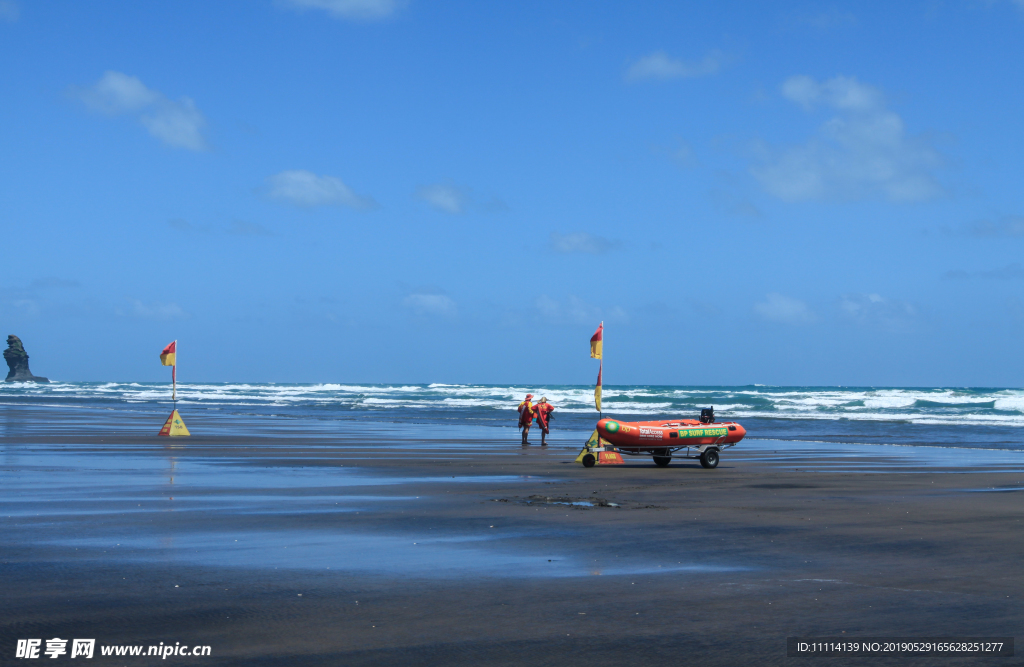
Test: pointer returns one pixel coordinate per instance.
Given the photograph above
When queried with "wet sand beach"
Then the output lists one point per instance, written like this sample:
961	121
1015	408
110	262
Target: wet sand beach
304	542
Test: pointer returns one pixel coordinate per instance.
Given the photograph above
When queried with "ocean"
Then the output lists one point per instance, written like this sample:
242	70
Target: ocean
986	418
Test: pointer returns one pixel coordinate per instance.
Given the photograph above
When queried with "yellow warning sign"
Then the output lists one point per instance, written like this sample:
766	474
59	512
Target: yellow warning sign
609	459
601	450
174	425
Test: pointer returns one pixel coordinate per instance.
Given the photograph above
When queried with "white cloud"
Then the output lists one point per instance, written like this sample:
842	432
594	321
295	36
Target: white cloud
9	11
659	65
787	310
116	93
449	198
156	310
431	304
862	152
581	242
874	310
360	10
841	92
304	188
444	198
176	123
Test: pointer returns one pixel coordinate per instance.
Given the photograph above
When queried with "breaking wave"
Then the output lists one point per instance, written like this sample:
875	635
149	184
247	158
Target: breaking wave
934	406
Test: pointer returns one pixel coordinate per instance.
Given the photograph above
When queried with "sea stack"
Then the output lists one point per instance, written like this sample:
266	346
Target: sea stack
17	359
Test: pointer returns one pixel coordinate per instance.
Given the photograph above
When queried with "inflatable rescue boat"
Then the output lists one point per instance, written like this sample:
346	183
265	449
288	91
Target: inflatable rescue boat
703	439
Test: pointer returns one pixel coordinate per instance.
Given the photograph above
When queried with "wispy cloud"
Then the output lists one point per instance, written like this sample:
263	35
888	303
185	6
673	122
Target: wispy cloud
9	11
154	310
176	123
354	10
457	200
1010	226
236	227
574	310
828	19
431	304
679	151
244	228
446	198
874	310
53	283
304	188
845	93
731	202
784	309
181	225
27	308
660	66
581	242
1012	271
37	298
862	152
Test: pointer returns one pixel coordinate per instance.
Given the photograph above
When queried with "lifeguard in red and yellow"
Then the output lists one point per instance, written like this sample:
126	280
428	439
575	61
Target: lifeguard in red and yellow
526	416
543	411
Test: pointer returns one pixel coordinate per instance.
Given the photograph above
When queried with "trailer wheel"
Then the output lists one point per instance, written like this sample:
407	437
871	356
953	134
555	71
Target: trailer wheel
589	460
709	458
662	461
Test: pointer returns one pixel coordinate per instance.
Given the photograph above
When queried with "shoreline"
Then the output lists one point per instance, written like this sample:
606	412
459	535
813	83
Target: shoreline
222	422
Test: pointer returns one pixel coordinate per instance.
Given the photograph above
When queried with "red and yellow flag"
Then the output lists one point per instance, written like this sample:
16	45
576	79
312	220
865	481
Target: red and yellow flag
167	356
597	342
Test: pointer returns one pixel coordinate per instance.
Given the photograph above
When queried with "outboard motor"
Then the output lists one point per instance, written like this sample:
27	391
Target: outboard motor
707	415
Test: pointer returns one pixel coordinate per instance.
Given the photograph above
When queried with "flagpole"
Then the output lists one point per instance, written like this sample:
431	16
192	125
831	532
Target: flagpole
174	377
600	371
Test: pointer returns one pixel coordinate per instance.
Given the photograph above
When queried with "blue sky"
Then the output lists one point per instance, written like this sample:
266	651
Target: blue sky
387	191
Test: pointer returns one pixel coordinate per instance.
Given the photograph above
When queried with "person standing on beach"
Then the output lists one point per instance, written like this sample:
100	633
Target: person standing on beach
526	416
543	410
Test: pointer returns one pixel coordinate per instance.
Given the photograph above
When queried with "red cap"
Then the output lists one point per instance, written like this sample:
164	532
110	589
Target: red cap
529	396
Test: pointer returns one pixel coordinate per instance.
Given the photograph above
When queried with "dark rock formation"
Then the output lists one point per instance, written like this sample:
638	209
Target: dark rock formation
17	358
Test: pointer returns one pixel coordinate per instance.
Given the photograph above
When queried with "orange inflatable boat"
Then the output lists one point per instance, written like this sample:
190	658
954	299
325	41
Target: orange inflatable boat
702	439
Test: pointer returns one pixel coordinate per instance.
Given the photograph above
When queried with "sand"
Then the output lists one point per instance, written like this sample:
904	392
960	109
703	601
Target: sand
388	544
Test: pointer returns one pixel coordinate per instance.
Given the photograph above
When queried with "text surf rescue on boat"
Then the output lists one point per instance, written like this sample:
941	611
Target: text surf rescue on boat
703	439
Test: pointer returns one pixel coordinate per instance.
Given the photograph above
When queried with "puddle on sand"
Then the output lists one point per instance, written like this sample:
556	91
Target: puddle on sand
457	556
235	504
42	470
995	489
571	502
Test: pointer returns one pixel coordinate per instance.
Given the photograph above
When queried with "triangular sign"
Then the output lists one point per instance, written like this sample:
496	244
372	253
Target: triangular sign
603	457
174	425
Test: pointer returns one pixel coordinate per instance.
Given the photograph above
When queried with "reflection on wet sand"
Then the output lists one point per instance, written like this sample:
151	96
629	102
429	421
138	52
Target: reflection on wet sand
271	506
